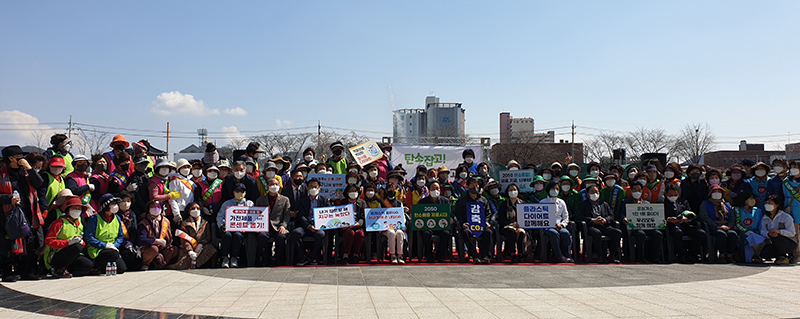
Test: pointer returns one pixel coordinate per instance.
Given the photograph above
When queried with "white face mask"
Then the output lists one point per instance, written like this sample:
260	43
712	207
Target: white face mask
716	196
197	172
547	176
573	173
795	171
353	195
761	172
249	169
67	147
435	193
305	175
124	205
313	191
194	213
113	208
611	183
538	187
513	168
212	175
565	188
370	194
494	191
270	174
448	194
155	211
185	171
420	182
308	158
669	174
672	199
594	173
594	197
636	195
469	160
553	193
769	207
75	213
463	175
163	171
352	180
373	173
643	181
280	166
239	174
513	194
631	175
274	189
56	170
778	169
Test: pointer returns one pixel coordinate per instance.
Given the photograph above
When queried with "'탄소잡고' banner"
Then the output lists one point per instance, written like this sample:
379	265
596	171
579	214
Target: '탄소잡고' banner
431	156
380	219
247	219
334	217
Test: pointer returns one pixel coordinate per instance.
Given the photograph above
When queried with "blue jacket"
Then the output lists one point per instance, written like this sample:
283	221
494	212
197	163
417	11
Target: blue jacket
790	201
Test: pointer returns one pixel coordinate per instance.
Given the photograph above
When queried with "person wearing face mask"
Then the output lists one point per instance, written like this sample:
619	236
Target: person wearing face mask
791	201
557	171
17	175
460	182
337	162
442	248
559	236
63	253
589	181
719	217
232	241
595	172
776	227
513	165
240	176
208	193
129	219
182	184
118	179
759	183
460	214
137	182
118	145
548	175
155	238
614	195
104	236
569	195
775	183
417	191
599	221
158	186
640	178
195	239
304	225
539	189
303	169
483	173
279	215
224	168
373	175
673	174
78	180
141	150
384	163
469	160
655	186
99	179
61	146
748	222
694	189
53	178
737	183
399	194
638	236
443	175
270	171
395	237
431	175
630	174
493	197
573	172
197	171
295	192
678	225
515	236
352	236
250	166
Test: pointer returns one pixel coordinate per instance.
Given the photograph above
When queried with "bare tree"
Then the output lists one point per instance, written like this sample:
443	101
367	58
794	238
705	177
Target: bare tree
601	148
40	138
693	141
645	140
91	141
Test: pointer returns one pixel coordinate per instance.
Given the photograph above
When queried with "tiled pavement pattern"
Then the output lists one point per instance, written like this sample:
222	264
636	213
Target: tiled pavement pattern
440	292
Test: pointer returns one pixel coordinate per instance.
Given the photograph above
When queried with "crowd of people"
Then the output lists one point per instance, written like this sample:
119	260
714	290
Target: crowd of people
72	215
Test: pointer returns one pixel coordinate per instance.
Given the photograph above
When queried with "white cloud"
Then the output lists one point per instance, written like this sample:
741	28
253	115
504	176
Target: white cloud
233	135
170	103
24	129
237	111
283	123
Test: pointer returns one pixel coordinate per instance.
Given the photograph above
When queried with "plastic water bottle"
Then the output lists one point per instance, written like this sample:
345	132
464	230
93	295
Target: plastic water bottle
114	268
16	195
108	269
194	264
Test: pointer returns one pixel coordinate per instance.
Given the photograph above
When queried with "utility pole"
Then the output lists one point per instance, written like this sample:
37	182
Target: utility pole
167	140
572	154
69	131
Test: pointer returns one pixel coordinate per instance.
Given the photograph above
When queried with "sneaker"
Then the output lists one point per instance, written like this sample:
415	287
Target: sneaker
234	262
486	260
563	260
782	260
10	278
401	260
226	262
144	268
757	260
313	262
61	273
394	259
794	260
30	276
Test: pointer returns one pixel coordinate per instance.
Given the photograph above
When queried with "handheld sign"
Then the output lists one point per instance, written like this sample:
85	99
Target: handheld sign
380	219
366	153
331	185
430	217
334	217
476	217
246	219
645	216
540	215
522	178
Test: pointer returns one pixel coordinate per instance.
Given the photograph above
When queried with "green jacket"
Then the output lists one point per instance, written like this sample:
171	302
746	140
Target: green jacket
607	195
573	199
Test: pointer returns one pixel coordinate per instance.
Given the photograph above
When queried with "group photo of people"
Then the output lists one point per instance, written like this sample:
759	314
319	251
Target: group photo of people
126	209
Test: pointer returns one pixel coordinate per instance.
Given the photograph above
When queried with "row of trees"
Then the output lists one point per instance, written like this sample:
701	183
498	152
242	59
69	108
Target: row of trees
689	144
293	144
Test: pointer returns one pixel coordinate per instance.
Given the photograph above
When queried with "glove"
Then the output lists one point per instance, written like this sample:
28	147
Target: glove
192	255
74	240
199	248
111	246
133	187
174	195
160	242
91	187
177	218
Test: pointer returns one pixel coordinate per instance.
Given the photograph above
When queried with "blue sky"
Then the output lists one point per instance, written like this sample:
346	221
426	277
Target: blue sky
607	65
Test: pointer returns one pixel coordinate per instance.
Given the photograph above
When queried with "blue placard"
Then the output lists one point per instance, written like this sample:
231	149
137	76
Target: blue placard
380	219
476	217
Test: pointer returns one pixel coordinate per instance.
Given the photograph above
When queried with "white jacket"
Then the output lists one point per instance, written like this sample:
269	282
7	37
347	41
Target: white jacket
187	194
782	222
562	214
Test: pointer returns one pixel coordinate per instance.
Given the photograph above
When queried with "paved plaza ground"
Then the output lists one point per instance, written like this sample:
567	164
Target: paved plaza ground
418	291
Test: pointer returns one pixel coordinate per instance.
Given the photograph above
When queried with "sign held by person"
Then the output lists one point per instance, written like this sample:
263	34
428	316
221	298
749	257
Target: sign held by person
247	219
380	219
533	216
334	217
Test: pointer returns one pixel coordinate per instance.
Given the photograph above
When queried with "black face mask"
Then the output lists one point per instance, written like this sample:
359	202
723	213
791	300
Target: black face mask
125	167
337	152
81	168
694	175
474	190
297	182
390	194
100	167
119	147
557	173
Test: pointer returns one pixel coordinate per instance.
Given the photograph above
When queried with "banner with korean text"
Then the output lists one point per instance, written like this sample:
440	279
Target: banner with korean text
331	185
334	217
380	219
366	153
645	216
431	156
536	215
246	219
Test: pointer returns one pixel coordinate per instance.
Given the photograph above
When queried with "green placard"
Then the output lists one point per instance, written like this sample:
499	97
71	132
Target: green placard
430	217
